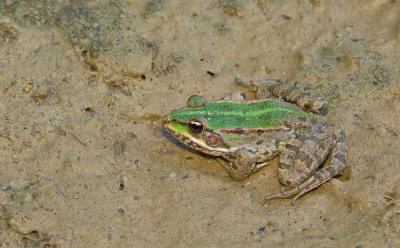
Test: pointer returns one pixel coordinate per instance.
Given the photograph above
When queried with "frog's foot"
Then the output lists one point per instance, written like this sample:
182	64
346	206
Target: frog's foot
303	157
262	92
310	184
290	91
290	192
258	167
235	96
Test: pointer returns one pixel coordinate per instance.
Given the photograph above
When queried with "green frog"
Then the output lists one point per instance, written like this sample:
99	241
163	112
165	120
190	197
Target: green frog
285	120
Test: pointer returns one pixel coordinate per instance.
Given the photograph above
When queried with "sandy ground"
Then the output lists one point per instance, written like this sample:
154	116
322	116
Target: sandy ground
84	161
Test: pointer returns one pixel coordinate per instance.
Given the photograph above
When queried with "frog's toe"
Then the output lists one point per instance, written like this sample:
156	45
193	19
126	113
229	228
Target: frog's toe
280	195
315	183
296	191
319	178
235	96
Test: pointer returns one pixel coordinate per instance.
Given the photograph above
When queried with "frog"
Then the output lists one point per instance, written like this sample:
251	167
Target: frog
285	119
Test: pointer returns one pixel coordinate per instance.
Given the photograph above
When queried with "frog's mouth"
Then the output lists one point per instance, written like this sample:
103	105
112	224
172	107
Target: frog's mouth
181	133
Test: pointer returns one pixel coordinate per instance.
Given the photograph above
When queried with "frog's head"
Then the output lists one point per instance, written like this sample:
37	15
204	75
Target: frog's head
192	125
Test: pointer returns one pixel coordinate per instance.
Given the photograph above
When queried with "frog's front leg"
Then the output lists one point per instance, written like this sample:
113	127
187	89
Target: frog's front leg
299	163
305	97
242	163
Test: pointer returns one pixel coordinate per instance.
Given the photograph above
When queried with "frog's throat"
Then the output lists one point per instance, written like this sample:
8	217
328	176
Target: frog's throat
196	143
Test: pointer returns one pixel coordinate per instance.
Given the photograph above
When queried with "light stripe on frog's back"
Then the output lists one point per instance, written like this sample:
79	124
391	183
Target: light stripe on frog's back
222	115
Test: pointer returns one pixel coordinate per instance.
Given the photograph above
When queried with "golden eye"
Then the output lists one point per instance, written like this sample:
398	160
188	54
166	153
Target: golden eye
196	126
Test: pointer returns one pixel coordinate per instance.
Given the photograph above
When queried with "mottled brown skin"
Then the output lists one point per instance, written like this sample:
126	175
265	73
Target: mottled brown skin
301	158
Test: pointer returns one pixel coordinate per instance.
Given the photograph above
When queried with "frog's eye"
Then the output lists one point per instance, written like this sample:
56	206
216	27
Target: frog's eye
196	126
196	101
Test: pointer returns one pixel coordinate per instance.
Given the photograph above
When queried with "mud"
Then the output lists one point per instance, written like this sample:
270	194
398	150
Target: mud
84	161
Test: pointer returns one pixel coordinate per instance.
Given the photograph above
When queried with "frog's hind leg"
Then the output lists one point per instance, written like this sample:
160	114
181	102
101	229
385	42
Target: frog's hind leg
305	97
303	157
237	96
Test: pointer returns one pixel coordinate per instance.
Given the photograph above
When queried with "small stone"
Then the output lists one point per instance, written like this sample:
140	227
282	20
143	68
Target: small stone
27	87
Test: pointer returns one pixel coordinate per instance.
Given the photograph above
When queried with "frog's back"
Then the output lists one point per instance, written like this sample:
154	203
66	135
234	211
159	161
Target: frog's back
253	114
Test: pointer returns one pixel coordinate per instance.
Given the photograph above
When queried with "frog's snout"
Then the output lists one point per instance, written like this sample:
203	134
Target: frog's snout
165	120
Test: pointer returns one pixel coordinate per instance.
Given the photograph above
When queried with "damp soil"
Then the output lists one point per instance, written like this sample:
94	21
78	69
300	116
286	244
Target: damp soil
84	161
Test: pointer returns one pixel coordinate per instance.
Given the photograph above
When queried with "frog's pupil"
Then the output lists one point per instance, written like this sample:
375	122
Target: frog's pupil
196	126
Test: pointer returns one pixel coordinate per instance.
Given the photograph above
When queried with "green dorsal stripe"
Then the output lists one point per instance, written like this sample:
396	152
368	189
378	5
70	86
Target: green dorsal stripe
241	115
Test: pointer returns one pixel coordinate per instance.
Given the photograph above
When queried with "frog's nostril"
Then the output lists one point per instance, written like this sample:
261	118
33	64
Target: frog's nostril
164	120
